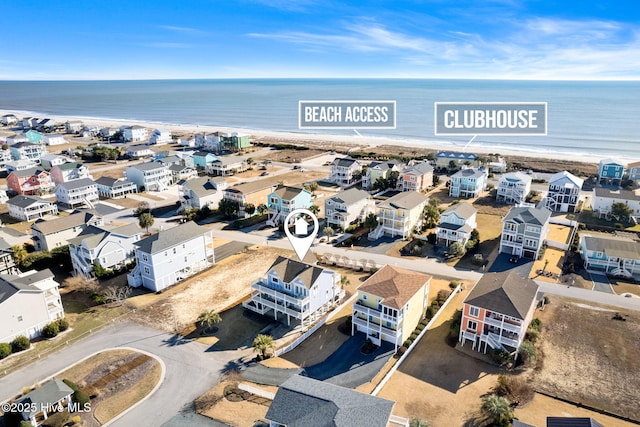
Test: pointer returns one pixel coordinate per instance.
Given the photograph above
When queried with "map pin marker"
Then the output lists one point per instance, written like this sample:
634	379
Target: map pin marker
301	239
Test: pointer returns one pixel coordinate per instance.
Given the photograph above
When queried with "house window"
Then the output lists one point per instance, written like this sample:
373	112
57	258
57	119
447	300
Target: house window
364	297
474	311
185	259
147	271
531	243
472	326
19	318
275	280
174	251
145	257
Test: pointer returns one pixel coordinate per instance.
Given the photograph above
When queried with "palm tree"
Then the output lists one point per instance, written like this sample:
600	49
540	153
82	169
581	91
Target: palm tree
314	209
497	410
344	281
328	231
371	221
209	318
263	344
262	209
19	253
431	215
145	221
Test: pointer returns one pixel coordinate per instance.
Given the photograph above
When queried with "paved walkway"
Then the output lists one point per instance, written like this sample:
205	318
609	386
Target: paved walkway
601	283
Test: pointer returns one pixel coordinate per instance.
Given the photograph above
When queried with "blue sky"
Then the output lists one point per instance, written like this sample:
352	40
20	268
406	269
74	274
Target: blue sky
116	39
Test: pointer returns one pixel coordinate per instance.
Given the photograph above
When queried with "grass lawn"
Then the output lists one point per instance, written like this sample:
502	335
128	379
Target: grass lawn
621	287
587	217
490	229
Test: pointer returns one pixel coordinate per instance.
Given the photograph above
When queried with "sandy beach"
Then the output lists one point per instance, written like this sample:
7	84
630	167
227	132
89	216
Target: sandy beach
363	143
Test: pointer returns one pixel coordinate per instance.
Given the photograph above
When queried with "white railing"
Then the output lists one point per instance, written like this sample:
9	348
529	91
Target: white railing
257	391
503	325
400	421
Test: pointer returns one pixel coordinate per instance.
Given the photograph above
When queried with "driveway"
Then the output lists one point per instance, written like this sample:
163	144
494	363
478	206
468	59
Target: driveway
601	283
380	246
184	360
346	367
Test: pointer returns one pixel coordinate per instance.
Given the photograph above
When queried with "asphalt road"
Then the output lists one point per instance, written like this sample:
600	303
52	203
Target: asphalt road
589	295
190	370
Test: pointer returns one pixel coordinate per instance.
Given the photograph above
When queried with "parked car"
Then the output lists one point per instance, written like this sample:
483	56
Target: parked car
265	173
296	167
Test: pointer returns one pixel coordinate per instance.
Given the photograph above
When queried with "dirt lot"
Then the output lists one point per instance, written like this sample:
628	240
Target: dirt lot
290	156
241	413
554	266
214	289
488	205
621	287
589	357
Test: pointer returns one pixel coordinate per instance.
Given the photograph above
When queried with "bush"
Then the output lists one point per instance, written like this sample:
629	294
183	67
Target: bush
527	351
20	343
618	226
499	356
453	284
50	330
532	335
443	294
5	350
535	324
431	311
63	324
420	327
79	395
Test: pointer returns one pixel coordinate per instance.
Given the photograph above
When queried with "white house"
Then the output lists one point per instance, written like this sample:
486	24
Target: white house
28	301
399	215
524	230
227	165
115	188
564	192
604	198
160	136
77	192
150	176
27	150
295	290
73	126
139	151
9	120
54	139
108	247
29	208
69	171
456	224
615	255
343	170
134	133
165	258
513	188
348	207
48	161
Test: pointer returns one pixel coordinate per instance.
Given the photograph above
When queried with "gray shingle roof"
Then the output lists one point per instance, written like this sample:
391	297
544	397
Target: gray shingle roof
617	247
11	283
528	215
389	164
92	235
77	183
305	402
350	196
288	270
69	166
63	222
566	175
47	394
251	187
26	201
29	172
344	162
507	293
469	172
149	166
405	200
168	238
464	210
202	186
419	168
616	194
288	193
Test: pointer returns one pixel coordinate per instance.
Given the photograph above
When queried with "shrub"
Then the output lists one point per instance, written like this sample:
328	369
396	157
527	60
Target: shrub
527	351
420	327
618	226
414	335
20	343
63	324
443	294
431	311
5	350
50	330
535	324
499	356
453	284
518	391
532	335
79	395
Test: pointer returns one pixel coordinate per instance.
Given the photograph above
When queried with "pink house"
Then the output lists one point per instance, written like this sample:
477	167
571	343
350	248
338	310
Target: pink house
29	181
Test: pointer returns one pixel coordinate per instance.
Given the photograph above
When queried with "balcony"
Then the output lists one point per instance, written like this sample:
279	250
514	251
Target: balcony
289	297
278	305
506	325
376	327
504	340
360	307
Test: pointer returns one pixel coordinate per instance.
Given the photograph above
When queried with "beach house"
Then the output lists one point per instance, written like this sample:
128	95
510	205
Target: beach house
285	199
204	159
29	208
633	170
69	171
399	215
104	246
524	231
54	139
611	171
114	188
7	262
30	181
54	233
456	224
5	157
250	193
303	401
9	120
467	183
379	170
295	290
202	192
28	301
134	133
208	141
456	160
227	166
139	151
390	304
563	194
73	126
27	150
169	256
234	141
417	177
348	207
16	138
498	311
344	171
617	255
34	137
151	176
79	192
160	136
603	199
48	161
513	188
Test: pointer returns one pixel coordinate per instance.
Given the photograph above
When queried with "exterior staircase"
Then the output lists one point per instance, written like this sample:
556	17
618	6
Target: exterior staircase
493	343
377	233
621	272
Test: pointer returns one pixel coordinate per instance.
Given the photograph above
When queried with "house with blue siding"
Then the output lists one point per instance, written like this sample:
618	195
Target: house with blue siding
297	290
614	255
611	171
467	183
34	136
203	158
285	199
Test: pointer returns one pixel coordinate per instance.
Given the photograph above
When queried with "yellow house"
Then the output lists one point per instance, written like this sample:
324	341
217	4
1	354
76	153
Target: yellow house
390	305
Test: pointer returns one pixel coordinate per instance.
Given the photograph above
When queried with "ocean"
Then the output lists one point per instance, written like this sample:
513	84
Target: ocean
584	117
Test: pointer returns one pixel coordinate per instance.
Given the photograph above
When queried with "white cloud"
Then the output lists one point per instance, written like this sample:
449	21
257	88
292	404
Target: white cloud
183	30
